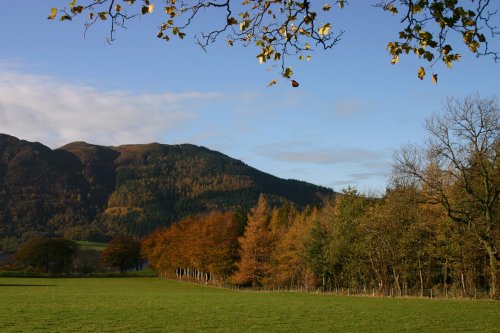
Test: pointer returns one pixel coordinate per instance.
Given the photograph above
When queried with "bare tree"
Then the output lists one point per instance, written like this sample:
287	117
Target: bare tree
458	169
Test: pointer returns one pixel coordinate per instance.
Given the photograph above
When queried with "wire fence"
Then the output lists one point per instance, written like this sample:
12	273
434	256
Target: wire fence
429	293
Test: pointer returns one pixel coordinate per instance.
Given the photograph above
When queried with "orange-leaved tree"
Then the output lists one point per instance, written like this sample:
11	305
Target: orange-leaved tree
256	247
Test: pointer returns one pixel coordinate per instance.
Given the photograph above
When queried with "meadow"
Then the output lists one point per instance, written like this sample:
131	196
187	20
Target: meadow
86	245
157	305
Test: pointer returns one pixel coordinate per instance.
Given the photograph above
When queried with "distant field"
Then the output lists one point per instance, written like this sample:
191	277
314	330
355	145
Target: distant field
154	305
92	245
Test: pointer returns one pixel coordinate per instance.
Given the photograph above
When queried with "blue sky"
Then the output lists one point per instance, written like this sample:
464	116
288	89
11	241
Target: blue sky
353	109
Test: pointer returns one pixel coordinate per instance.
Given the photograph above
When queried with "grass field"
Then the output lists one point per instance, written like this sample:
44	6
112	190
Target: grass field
92	245
154	305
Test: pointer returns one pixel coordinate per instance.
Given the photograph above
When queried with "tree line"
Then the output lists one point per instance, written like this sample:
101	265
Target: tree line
63	256
436	227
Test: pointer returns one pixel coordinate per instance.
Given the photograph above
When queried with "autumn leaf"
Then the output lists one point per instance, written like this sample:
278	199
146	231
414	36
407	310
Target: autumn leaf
232	21
295	84
325	29
288	72
53	13
421	73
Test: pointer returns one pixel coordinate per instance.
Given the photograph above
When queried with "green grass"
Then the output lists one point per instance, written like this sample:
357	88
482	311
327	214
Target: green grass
92	245
155	305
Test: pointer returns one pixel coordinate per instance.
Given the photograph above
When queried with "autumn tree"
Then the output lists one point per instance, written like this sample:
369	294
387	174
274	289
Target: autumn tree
49	255
203	247
284	30
123	252
256	247
292	269
395	241
458	168
333	249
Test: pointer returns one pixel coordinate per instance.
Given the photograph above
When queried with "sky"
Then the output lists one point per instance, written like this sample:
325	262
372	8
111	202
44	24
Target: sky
340	128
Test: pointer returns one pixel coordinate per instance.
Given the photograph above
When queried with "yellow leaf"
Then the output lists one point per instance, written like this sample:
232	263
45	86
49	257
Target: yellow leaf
118	8
288	72
327	7
151	7
434	78
53	13
324	30
421	73
395	60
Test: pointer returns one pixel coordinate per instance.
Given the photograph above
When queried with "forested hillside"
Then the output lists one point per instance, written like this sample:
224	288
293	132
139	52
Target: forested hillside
85	191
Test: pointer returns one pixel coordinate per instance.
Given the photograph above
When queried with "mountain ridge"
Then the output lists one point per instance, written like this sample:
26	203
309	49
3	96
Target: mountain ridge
86	191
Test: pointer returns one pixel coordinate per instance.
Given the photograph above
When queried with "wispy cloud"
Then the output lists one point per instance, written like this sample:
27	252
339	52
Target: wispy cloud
350	108
46	109
351	166
305	153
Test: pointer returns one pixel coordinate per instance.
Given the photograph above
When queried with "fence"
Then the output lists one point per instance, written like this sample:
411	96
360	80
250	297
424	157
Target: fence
432	293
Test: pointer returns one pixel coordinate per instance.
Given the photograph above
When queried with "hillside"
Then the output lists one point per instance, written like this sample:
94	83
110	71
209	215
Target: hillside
85	191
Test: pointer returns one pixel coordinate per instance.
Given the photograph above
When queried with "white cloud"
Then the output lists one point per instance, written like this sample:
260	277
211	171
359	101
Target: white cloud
55	112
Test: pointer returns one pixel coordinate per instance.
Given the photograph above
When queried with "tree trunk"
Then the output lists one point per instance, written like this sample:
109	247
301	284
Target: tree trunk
492	254
446	277
462	280
421	278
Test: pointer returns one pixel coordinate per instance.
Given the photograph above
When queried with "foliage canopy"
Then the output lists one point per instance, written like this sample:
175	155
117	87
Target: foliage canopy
49	255
285	29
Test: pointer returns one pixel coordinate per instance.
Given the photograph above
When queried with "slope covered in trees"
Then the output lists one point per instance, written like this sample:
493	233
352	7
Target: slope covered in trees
84	191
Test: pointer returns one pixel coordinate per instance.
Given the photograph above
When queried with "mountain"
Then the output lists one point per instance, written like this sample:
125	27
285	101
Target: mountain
85	191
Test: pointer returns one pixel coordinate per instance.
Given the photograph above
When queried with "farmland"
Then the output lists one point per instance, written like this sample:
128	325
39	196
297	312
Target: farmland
156	305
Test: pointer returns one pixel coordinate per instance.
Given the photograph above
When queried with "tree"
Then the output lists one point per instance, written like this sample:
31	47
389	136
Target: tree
256	247
458	168
202	247
292	269
333	250
49	255
123	252
281	30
